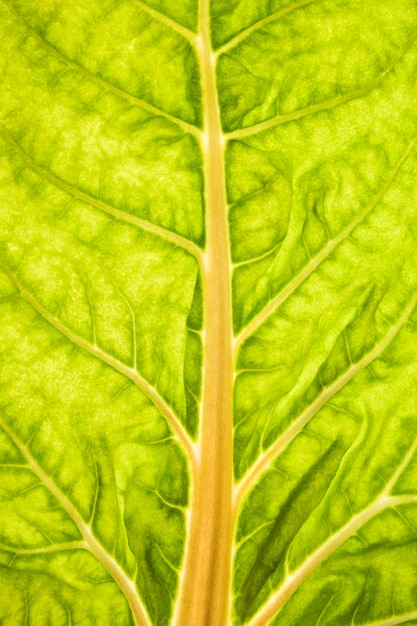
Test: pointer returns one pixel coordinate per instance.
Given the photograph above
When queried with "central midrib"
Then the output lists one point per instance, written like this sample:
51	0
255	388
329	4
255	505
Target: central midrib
205	586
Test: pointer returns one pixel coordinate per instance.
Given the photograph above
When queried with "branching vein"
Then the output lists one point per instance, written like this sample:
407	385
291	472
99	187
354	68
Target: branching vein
90	541
97	352
296	578
321	106
268	309
164	19
261	23
189	128
298	424
178	240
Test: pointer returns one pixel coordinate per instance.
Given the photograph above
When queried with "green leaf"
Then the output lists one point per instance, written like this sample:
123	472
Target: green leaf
208	313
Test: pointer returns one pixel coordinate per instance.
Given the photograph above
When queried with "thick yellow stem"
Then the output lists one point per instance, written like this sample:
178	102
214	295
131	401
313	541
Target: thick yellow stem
205	589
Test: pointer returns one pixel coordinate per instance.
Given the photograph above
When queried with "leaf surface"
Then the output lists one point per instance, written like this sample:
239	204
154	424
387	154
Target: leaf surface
208	296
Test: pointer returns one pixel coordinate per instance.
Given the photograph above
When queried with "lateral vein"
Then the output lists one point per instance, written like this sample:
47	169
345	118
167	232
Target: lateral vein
97	352
298	424
271	307
119	214
91	543
187	127
322	106
261	23
394	621
296	578
167	21
57	547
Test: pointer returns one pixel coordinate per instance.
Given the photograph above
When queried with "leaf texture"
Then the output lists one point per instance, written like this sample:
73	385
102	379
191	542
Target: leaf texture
208	313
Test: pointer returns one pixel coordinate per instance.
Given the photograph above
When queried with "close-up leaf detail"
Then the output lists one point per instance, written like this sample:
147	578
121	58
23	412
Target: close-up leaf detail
208	313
